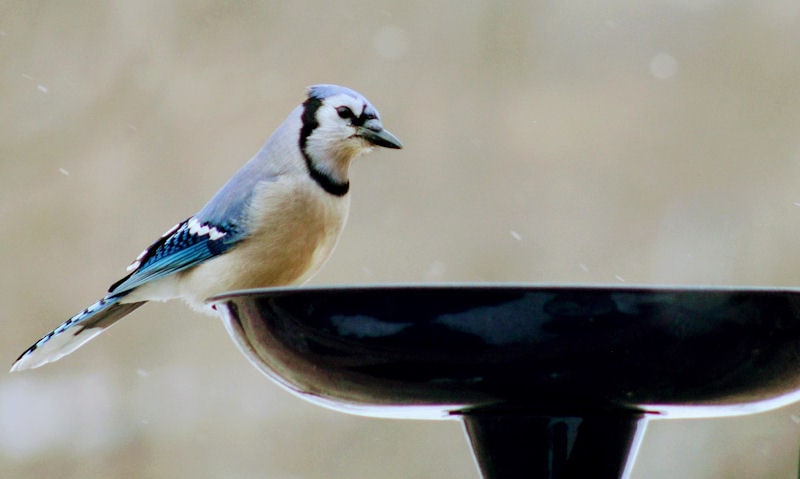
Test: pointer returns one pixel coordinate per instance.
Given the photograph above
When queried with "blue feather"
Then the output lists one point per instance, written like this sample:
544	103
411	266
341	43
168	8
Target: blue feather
75	331
187	245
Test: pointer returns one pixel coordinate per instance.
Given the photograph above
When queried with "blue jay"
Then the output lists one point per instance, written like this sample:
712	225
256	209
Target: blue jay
274	223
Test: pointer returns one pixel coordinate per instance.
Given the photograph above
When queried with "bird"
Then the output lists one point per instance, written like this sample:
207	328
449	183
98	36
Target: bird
274	223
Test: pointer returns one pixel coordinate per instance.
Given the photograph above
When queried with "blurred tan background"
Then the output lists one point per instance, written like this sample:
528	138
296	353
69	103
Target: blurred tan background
589	142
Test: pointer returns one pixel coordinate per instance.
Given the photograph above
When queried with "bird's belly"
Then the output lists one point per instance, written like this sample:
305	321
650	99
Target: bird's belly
286	249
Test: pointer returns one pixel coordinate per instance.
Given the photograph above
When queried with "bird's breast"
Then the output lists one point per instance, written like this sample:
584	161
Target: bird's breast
293	228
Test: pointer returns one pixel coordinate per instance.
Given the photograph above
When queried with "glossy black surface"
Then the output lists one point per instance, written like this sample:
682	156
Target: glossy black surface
522	446
550	382
555	350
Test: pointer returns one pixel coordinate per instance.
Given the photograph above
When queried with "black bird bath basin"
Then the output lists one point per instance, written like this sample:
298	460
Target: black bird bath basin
549	381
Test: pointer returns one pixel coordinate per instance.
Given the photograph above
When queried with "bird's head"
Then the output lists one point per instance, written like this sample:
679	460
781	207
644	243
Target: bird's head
339	124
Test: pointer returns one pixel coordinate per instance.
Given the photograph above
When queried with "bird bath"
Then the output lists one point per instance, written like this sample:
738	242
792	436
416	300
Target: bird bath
549	381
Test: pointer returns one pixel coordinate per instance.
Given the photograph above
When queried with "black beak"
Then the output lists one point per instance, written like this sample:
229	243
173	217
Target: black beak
373	132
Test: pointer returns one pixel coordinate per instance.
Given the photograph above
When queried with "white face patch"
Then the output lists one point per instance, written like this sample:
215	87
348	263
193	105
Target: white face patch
334	142
329	119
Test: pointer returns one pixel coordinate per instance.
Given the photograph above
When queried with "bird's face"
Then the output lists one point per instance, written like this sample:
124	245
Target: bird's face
353	124
343	126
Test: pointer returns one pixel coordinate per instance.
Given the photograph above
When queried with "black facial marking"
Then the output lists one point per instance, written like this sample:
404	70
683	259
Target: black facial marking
310	123
345	113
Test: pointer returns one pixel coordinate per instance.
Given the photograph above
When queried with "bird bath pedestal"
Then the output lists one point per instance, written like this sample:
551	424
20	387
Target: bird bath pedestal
549	381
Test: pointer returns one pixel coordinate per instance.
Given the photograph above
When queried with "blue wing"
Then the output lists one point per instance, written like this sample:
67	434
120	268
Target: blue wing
187	244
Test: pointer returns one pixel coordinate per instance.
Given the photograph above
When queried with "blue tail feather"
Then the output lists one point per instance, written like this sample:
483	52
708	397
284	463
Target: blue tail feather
74	332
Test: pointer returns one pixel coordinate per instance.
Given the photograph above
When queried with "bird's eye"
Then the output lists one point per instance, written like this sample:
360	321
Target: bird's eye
345	112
